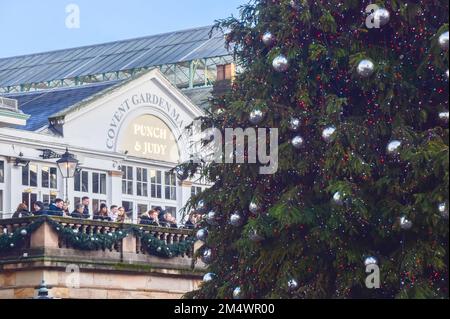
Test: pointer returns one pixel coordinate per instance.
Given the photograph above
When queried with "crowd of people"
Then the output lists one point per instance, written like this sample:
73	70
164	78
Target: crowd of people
155	217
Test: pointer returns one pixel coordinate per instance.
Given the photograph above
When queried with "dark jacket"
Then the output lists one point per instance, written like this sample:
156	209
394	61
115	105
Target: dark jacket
76	214
190	225
22	213
53	210
86	211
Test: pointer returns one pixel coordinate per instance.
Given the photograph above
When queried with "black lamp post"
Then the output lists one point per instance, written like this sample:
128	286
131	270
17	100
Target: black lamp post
68	165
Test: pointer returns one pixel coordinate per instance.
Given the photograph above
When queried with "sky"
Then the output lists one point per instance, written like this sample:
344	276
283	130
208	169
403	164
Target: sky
30	26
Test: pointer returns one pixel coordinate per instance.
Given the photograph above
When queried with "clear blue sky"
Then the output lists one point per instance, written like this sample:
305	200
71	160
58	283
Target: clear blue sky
29	26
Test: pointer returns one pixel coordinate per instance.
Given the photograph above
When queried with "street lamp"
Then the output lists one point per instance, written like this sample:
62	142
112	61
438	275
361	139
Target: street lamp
67	165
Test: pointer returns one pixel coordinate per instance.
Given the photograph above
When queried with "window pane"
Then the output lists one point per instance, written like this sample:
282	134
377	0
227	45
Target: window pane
142	209
130	188
77	182
33	175
130	172
103	184
33	199
128	206
124	187
95	185
26	199
1	200
138	174
45	177
145	190
25	176
53	177
139	189
2	173
85	182
145	175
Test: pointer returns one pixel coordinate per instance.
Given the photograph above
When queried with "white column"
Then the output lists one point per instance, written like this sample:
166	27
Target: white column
184	194
13	189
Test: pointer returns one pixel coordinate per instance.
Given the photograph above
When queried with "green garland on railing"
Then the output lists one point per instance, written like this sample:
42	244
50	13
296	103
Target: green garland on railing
17	238
157	247
88	242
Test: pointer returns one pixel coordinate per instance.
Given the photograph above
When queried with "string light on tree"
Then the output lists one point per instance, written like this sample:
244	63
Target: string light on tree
237	293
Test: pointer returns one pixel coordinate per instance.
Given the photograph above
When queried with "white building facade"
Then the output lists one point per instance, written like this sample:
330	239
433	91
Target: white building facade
127	137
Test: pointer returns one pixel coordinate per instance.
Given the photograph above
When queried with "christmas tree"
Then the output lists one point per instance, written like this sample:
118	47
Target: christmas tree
359	94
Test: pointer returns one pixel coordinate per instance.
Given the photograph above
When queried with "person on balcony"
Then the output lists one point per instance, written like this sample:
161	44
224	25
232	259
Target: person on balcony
39	208
79	212
22	211
145	218
122	216
192	221
113	213
102	214
85	201
56	208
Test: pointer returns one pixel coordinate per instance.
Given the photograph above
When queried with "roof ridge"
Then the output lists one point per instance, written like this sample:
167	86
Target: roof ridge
106	43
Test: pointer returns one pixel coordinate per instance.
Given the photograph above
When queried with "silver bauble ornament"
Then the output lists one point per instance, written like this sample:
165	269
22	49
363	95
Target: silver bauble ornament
236	219
405	223
443	116
237	293
202	234
211	218
292	284
338	199
253	207
365	68
294	124
371	260
443	41
23	232
328	134
256	116
393	147
268	38
443	210
181	173
280	63
209	277
207	256
381	17
11	245
297	142
447	74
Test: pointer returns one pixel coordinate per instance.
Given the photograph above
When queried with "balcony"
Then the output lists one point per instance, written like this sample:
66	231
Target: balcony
96	260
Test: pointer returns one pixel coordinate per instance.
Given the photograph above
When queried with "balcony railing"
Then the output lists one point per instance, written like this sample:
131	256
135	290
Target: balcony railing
115	242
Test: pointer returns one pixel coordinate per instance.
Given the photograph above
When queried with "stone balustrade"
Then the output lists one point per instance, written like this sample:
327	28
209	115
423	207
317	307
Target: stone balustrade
126	266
